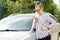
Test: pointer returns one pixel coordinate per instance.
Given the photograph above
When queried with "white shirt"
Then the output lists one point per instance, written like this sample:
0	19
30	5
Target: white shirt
44	20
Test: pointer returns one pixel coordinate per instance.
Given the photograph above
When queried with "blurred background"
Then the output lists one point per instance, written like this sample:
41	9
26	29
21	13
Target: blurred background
8	7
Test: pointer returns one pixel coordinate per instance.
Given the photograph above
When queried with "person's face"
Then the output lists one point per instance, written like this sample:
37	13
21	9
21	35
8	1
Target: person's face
37	8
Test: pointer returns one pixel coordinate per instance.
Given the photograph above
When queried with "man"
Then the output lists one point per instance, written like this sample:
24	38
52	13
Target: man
42	22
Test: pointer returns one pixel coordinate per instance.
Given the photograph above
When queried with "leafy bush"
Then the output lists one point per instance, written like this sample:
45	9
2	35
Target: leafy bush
20	6
26	6
3	8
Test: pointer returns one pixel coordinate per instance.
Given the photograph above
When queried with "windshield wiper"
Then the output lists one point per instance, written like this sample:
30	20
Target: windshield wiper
8	30
12	30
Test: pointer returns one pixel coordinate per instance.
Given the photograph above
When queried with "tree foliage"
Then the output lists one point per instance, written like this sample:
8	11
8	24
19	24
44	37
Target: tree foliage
3	8
20	6
26	6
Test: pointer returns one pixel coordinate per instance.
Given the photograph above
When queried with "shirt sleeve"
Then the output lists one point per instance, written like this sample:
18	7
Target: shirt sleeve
51	20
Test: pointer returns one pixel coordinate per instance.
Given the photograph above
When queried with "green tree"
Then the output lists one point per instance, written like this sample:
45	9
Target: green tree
3	8
50	6
20	6
27	6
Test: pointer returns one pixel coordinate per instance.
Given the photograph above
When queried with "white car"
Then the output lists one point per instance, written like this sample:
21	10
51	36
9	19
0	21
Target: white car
17	27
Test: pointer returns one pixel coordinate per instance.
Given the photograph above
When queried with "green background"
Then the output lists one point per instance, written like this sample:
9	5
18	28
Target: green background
8	7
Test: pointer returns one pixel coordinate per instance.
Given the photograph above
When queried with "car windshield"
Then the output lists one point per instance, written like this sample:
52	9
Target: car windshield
17	22
23	23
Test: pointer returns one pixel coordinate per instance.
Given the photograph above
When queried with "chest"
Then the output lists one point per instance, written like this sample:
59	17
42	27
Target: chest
42	19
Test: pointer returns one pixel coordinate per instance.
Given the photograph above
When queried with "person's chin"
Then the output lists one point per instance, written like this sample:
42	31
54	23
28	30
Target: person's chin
37	10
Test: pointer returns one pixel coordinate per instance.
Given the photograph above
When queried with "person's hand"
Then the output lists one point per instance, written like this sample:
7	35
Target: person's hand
36	19
44	28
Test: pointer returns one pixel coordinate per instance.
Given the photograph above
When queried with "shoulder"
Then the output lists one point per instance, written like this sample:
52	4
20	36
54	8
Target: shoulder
47	14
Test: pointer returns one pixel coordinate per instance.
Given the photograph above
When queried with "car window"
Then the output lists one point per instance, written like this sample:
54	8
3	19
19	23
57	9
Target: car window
23	24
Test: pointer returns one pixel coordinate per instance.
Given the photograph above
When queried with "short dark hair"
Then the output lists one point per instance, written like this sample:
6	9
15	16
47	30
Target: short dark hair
39	3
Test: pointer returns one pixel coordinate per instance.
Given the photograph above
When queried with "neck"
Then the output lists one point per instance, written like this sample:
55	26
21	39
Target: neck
40	12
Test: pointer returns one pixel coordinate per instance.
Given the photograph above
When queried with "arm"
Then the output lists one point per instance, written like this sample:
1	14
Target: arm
35	21
50	20
34	24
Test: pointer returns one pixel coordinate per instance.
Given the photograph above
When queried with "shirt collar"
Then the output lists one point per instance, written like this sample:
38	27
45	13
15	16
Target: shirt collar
41	13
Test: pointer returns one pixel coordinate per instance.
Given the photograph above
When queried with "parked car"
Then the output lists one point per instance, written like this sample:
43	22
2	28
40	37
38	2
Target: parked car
17	27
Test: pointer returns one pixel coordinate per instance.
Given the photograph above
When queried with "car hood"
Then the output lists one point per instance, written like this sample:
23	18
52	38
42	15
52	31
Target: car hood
13	35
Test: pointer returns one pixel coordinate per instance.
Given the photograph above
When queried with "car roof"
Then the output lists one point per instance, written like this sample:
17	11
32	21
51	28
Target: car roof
14	17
